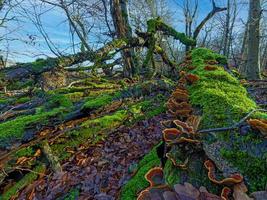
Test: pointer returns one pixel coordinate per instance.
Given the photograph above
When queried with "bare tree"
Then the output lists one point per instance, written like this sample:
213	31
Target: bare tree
251	69
123	29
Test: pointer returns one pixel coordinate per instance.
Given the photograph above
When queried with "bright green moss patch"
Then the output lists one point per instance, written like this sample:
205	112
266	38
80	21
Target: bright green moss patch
4	101
24	152
138	182
59	100
106	121
172	173
100	101
14	129
26	180
223	100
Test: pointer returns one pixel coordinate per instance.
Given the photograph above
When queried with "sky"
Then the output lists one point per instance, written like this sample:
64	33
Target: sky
57	27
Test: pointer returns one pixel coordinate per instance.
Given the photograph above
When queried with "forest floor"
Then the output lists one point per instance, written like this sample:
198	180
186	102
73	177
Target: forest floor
99	170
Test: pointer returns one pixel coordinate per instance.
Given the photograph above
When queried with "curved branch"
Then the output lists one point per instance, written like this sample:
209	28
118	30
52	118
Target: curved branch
214	10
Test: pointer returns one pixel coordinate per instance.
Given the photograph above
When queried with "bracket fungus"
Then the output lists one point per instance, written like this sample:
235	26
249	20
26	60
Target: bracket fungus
260	125
184	127
212	62
232	180
173	105
155	176
180	95
171	134
226	191
192	78
181	165
175	136
210	68
157	186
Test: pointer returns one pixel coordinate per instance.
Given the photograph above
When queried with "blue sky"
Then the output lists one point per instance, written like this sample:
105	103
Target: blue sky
56	26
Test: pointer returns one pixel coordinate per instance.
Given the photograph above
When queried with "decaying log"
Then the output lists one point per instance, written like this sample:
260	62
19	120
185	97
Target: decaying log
52	159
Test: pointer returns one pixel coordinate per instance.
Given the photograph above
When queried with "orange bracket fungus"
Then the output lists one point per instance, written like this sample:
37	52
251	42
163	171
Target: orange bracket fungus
210	68
175	136
155	176
259	124
157	185
182	165
192	78
226	191
184	127
232	180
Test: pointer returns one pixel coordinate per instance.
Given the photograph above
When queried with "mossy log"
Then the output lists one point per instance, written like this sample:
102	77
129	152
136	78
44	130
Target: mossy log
222	101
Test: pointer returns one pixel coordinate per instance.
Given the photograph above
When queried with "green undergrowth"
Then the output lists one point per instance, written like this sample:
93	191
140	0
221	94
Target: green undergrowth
25	181
138	182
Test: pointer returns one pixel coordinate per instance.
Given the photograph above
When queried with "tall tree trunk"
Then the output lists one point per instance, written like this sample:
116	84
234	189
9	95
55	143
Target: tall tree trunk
227	30
252	65
123	30
244	52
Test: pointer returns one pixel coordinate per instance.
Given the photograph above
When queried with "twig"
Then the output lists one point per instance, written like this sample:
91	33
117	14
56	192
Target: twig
237	125
29	170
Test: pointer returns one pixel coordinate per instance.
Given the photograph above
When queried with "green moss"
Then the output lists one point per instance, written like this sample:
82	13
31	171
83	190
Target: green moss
24	152
203	54
4	101
59	100
14	129
23	100
158	24
106	121
172	174
254	169
75	97
131	189
100	101
26	180
223	99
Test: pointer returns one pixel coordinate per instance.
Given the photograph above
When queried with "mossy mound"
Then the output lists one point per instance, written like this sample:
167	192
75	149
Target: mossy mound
223	101
138	182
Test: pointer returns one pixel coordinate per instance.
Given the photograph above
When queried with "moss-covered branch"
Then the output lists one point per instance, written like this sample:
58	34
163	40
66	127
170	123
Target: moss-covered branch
169	31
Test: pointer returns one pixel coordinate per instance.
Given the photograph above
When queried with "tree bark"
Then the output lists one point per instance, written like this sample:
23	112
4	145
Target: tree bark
252	66
123	30
227	30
